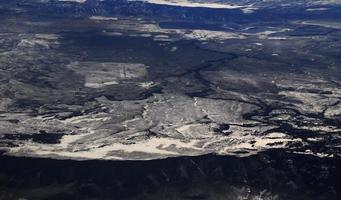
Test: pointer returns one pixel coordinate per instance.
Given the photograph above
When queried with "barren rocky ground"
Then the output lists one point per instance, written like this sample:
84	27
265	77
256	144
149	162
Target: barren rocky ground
103	84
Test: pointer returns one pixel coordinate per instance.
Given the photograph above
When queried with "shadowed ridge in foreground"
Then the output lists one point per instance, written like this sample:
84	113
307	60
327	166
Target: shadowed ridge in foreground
268	175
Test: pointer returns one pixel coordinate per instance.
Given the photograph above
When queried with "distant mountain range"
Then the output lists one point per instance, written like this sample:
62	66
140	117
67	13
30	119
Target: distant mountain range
231	4
197	10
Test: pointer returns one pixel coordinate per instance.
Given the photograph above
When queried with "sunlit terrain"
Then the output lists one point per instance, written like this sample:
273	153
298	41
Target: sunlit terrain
206	85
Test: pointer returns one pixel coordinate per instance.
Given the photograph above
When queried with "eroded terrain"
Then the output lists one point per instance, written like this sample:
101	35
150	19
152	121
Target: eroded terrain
125	88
